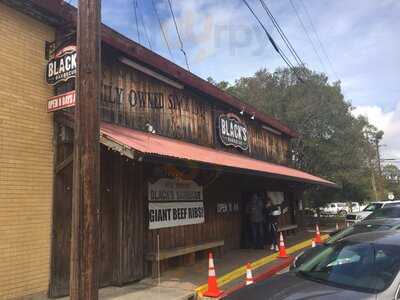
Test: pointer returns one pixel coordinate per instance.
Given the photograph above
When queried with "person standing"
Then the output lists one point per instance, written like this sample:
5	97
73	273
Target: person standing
267	221
255	211
275	213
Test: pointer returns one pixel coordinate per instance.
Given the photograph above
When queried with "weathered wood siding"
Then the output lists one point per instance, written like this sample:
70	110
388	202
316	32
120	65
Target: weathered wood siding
225	227
133	99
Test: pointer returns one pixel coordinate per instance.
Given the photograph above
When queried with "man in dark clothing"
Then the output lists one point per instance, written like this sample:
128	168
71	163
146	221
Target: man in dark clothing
255	211
271	214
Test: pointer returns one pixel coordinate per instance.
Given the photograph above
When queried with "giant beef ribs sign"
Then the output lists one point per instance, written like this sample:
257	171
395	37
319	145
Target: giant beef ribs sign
232	131
63	66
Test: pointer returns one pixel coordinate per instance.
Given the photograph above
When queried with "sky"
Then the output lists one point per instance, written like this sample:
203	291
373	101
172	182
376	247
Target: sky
354	41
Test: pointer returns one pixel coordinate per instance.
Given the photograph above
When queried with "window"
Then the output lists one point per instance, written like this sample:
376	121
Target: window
373	207
364	267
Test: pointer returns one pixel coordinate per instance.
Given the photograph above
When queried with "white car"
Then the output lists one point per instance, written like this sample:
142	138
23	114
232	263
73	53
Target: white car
336	208
355	217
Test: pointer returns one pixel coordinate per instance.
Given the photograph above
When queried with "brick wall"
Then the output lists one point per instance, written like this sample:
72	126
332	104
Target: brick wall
26	156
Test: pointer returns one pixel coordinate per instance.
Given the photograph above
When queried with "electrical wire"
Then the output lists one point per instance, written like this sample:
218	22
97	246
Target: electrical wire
271	40
282	34
308	36
136	20
144	26
179	36
162	29
319	40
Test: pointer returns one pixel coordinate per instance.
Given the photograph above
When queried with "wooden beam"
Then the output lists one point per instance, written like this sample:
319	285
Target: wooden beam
64	163
84	276
124	150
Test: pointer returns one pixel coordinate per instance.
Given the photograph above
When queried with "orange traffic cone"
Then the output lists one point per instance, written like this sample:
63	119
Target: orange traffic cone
282	250
213	290
312	243
317	235
249	275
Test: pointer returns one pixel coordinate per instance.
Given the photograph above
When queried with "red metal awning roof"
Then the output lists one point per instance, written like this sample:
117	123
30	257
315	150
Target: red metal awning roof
153	144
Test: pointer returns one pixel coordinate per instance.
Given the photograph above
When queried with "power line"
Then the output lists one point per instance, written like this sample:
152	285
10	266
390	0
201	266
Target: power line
282	34
271	40
162	29
319	40
144	26
179	36
136	20
308	36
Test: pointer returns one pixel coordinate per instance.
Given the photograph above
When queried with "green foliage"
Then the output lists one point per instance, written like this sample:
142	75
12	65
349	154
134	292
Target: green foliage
332	141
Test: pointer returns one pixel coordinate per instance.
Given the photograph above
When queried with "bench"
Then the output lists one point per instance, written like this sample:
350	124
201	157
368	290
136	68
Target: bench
180	251
288	228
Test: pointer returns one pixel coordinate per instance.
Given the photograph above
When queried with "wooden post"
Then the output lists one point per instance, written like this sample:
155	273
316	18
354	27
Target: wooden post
86	175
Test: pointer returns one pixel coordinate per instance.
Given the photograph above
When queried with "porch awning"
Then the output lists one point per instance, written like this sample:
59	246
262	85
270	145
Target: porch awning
128	139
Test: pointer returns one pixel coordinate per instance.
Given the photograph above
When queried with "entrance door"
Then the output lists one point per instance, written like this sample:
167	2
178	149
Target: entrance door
246	232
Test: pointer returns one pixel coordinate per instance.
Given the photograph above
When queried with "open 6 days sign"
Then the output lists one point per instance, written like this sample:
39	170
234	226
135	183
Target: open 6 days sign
63	66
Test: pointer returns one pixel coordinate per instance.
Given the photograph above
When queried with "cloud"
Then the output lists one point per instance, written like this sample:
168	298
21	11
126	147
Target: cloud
224	41
389	122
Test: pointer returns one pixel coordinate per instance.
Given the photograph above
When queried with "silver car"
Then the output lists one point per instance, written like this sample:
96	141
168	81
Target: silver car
361	266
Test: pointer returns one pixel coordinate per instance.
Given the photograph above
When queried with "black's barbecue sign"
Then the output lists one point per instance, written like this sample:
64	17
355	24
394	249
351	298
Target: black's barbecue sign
232	131
63	66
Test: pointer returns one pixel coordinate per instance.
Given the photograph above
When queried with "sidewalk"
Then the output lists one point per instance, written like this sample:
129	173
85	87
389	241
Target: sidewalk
181	283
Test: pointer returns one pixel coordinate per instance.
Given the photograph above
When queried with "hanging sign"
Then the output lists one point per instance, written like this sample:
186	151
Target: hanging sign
175	202
232	131
171	214
175	190
62	66
61	101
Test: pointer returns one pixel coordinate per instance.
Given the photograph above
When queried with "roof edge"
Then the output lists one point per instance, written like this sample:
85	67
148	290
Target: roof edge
133	50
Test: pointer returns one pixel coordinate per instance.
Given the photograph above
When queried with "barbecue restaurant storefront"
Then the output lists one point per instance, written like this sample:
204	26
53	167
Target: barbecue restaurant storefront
177	167
179	159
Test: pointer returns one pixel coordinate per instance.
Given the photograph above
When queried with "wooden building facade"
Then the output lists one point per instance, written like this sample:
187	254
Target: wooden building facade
179	158
149	104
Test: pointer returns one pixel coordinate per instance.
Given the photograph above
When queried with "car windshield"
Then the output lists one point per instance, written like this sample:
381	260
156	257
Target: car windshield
367	267
341	234
386	212
373	206
356	229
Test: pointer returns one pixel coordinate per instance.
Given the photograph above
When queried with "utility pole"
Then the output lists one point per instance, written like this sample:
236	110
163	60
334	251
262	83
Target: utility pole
86	167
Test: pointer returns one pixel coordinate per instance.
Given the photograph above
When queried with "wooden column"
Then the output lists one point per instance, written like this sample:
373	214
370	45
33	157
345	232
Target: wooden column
86	168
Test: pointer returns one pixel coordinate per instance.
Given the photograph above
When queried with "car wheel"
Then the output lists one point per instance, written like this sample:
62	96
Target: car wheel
342	213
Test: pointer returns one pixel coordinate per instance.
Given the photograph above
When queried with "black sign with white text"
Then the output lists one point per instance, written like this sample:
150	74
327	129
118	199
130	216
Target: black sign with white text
62	67
232	131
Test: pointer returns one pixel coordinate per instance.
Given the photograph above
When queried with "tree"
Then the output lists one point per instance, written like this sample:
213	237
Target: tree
332	143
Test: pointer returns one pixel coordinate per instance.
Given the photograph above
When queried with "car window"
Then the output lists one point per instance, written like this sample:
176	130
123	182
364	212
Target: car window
341	234
386	212
373	206
392	204
365	267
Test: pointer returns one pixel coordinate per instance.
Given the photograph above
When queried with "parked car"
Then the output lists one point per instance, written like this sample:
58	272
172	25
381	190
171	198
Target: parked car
363	266
336	208
356	207
377	224
355	217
